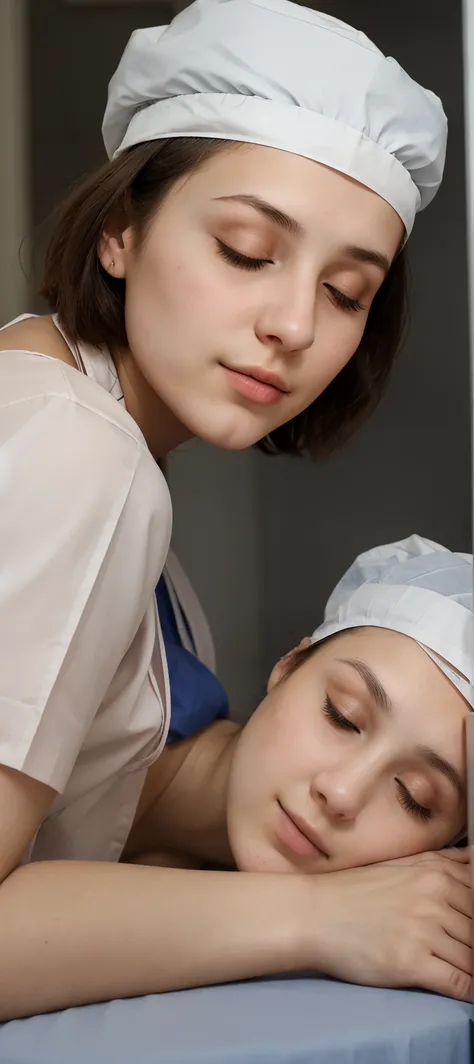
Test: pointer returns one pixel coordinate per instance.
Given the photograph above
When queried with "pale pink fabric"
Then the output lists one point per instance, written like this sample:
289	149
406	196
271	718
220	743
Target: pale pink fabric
84	533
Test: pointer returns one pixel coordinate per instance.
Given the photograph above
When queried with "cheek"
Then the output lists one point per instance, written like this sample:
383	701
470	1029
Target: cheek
186	275
290	732
276	745
335	342
170	283
342	336
301	743
385	832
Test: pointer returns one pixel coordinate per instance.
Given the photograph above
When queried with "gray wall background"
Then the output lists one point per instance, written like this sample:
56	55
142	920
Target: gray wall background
264	540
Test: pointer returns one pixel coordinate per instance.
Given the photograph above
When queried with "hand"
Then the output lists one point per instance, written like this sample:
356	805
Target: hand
461	856
406	923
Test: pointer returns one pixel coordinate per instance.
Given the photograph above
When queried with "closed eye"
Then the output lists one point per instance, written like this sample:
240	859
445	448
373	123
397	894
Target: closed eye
406	799
343	301
243	262
337	718
408	803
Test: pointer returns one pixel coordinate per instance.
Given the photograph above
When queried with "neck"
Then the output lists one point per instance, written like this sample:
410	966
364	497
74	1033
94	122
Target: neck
209	778
222	749
190	815
161	429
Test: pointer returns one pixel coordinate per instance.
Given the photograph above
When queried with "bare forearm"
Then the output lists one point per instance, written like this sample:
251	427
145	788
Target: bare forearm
73	932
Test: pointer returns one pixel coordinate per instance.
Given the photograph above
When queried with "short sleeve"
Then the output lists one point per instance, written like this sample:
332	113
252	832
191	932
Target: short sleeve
84	534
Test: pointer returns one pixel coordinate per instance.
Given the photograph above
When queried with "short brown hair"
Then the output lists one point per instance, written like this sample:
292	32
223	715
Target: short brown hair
90	303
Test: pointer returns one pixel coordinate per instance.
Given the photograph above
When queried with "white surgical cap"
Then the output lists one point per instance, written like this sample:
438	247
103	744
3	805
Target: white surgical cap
418	588
275	73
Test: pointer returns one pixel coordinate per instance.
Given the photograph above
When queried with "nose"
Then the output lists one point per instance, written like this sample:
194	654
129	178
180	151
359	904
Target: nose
287	320
342	791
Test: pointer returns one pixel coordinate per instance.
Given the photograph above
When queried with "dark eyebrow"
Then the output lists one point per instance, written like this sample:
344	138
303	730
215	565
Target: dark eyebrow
290	225
372	683
373	258
441	765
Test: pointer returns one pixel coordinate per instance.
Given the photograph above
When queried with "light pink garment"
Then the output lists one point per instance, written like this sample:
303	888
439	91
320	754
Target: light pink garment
84	533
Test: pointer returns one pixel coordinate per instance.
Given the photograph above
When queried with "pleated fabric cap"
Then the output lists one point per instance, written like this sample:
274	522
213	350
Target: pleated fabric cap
274	73
418	588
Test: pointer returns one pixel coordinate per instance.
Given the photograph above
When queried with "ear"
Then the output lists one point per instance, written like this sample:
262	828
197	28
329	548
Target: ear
284	664
112	251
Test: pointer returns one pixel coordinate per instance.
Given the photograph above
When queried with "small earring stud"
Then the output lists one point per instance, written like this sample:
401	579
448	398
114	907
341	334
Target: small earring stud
112	264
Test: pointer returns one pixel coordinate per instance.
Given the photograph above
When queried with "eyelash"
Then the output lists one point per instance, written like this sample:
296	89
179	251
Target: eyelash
337	718
342	301
410	805
407	801
246	262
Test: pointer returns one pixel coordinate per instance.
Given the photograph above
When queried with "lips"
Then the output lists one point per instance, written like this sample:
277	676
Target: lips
251	389
262	375
307	830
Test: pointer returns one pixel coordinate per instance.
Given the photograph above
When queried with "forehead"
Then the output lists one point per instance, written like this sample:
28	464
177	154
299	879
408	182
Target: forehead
308	191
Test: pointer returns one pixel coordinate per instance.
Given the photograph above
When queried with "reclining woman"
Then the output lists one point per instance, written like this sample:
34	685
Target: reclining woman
356	757
235	272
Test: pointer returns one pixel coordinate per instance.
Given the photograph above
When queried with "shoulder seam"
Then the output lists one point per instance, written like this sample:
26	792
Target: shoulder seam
140	444
70	397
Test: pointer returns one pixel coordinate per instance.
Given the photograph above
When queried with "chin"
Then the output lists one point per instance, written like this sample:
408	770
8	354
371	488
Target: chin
261	858
229	439
230	428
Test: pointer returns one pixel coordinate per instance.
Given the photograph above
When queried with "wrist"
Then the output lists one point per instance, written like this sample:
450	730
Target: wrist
304	920
314	938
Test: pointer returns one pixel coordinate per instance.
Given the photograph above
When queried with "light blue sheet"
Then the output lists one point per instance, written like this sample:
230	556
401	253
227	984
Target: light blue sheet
282	1021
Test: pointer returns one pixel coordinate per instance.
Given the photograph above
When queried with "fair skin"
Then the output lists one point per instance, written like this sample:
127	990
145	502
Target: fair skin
77	932
402	920
212	315
346	749
363	742
297	308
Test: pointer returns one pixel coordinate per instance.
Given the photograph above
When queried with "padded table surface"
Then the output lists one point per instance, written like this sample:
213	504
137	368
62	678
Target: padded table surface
303	1020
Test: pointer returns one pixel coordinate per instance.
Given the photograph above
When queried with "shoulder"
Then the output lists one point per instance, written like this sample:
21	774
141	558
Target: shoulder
184	793
37	334
32	378
36	361
66	441
64	438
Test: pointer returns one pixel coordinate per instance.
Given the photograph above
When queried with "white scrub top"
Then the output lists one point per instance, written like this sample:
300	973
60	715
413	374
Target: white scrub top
84	534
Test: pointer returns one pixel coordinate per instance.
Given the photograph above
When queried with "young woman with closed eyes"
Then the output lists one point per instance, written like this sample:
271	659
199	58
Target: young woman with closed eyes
236	272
